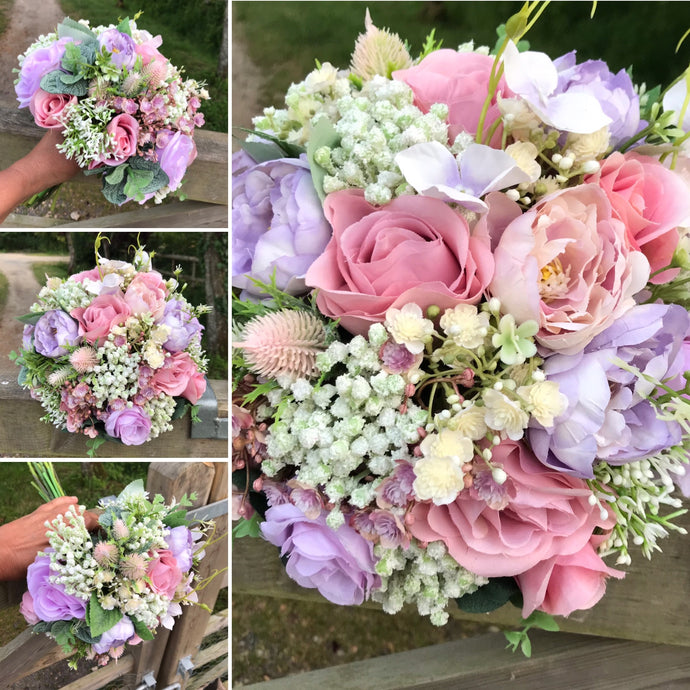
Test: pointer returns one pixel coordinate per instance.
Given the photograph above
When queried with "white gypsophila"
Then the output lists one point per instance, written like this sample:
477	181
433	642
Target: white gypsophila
503	414
84	128
408	327
65	295
465	326
160	410
544	401
427	577
51	401
117	374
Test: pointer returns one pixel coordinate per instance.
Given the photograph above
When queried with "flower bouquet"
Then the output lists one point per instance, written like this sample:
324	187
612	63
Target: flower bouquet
461	343
96	592
125	111
113	352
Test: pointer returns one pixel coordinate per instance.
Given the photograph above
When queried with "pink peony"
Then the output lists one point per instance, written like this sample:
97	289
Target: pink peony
146	294
96	320
547	514
164	573
91	274
415	249
652	202
47	108
124	130
461	80
567	265
175	376
565	583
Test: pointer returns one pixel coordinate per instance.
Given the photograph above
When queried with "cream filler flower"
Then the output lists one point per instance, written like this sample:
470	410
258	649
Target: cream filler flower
504	414
439	474
470	422
544	401
465	326
408	327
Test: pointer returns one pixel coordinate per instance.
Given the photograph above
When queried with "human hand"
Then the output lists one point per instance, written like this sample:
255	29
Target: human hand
43	167
22	539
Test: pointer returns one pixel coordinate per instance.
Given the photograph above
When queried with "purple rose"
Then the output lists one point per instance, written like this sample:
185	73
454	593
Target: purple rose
174	158
27	336
121	46
614	92
131	425
339	563
181	544
35	66
55	331
183	326
118	635
608	416
277	222
50	602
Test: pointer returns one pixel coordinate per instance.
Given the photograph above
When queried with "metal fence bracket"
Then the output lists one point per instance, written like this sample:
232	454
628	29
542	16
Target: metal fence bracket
210	425
148	681
185	667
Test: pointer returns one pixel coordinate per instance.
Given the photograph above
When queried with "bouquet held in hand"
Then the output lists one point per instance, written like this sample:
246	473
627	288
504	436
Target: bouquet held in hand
125	111
461	337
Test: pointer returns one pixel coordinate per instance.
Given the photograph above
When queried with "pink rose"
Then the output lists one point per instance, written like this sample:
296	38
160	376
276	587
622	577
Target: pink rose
563	584
26	608
546	514
566	264
414	249
652	202
164	573
47	108
124	129
149	49
195	388
461	80
91	274
96	320
175	376
146	294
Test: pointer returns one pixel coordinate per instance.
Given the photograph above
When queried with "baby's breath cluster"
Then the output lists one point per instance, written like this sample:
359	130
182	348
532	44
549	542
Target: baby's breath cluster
428	577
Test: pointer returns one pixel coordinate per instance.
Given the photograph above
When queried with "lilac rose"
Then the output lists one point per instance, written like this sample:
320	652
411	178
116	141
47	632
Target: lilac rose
50	601
175	156
277	221
35	66
131	425
339	563
180	542
608	416
118	635
121	46
27	336
54	332
184	327
614	92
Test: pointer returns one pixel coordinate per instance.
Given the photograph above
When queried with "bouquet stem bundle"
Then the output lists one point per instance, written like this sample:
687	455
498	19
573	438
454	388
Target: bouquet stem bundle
45	480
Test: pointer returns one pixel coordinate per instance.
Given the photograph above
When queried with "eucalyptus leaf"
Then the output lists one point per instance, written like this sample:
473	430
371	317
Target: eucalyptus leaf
68	28
114	193
263	151
489	597
323	134
53	83
31	319
291	150
117	174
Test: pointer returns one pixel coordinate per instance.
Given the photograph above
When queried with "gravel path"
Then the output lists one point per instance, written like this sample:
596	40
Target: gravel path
28	20
23	289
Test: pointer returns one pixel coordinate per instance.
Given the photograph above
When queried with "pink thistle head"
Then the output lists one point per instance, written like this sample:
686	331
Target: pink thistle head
105	553
283	343
84	359
120	530
133	566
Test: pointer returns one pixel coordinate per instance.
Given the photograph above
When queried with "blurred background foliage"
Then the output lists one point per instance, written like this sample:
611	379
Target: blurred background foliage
192	31
284	38
203	257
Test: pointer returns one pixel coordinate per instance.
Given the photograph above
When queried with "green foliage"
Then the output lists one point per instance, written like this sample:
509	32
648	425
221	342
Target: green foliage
247	528
99	619
430	45
491	596
62	82
133	180
520	638
141	629
323	134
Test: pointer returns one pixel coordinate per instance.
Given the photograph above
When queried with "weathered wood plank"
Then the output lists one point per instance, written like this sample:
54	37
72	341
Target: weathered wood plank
211	653
559	660
217	671
174	479
206	179
179	214
101	677
218	621
22	434
649	604
26	654
11	593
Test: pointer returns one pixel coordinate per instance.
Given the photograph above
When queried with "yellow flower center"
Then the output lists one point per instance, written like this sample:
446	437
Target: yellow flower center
553	282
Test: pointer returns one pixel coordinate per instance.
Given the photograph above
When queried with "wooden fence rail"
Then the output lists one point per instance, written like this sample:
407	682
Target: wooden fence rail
156	660
22	434
205	186
648	606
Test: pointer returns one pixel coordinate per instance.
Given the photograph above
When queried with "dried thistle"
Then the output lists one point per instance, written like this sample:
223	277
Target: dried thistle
283	343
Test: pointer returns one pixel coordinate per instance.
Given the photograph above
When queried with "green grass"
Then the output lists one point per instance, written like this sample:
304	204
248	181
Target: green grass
191	31
4	291
5	13
285	38
41	270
